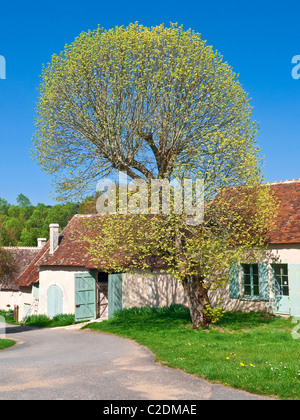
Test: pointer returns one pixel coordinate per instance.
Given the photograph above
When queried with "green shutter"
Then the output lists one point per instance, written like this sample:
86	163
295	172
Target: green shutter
234	289
294	286
263	275
114	294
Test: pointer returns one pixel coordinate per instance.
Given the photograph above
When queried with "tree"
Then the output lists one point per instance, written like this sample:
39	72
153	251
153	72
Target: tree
156	103
234	229
8	265
23	201
22	224
144	101
4	206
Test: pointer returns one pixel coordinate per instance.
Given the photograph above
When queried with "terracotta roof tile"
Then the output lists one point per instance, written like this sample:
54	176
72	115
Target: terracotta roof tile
288	220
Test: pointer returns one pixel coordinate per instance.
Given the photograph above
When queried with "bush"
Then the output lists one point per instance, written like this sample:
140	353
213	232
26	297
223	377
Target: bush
38	320
43	321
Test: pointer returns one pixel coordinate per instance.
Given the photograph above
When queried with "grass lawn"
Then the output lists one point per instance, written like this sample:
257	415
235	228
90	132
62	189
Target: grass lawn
254	352
4	344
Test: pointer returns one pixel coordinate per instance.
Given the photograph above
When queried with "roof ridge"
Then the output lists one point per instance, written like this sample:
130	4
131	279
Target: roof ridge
288	181
21	247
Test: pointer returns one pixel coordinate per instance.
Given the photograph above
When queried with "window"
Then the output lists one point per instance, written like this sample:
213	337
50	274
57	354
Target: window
250	280
281	279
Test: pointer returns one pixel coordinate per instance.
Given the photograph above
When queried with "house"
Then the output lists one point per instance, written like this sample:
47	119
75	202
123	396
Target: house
62	278
274	284
11	294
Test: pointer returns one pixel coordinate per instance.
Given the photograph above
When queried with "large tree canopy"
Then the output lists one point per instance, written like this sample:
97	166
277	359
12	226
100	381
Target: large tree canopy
145	101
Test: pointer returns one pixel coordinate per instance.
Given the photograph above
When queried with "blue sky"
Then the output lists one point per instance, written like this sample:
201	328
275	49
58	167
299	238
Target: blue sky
258	39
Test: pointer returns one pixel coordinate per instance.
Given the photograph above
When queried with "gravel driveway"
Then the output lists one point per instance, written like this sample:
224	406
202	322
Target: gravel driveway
80	364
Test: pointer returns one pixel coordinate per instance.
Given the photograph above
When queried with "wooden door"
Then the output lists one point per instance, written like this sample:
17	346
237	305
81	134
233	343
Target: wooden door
55	301
281	289
85	297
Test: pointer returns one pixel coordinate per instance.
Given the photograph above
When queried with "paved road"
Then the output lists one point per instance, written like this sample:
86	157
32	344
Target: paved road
81	364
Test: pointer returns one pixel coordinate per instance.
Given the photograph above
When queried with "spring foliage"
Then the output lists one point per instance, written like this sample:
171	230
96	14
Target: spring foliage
145	101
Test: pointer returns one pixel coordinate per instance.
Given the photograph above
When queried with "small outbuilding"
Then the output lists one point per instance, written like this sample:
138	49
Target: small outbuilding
62	278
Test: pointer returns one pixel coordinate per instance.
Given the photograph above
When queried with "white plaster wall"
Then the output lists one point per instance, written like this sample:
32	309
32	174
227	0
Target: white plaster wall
286	253
276	254
153	289
241	304
13	298
62	277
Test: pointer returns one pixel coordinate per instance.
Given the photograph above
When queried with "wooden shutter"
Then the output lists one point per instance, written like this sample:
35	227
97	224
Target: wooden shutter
234	289
114	294
294	286
263	275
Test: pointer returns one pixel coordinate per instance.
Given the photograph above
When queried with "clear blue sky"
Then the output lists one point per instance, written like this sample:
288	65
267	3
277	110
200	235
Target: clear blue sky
258	39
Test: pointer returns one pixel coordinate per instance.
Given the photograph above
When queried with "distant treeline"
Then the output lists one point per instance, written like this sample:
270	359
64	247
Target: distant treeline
22	224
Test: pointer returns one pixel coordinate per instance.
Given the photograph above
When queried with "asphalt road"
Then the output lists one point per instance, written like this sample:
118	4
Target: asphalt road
55	364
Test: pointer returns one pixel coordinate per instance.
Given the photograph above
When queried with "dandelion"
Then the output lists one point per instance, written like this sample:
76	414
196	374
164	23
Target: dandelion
242	364
227	358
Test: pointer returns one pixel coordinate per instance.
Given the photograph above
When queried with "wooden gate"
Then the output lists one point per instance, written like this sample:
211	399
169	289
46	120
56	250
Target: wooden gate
114	293
85	297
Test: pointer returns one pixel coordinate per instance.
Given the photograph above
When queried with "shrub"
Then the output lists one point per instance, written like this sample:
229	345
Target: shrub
43	321
38	320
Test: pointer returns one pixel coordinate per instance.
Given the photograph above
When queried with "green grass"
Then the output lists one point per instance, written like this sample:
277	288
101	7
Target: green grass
254	352
4	344
8	316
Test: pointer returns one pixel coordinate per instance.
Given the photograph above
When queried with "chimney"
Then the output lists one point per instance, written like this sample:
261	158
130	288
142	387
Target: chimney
53	237
41	242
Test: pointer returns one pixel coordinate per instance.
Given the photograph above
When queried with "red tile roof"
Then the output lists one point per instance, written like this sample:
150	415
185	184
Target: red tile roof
288	220
69	253
72	253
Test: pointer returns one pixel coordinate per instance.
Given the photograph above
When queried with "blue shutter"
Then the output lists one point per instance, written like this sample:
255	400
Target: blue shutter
263	275
294	286
114	294
234	289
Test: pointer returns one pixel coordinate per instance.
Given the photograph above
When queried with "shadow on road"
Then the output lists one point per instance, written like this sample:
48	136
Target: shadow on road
15	329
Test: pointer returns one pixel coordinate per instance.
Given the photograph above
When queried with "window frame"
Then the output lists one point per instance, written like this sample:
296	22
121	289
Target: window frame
280	282
254	285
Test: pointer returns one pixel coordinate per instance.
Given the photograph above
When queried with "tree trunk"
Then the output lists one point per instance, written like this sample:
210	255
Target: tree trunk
198	299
